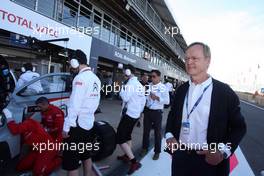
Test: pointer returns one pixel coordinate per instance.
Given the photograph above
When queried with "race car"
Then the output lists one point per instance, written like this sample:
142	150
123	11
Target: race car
21	102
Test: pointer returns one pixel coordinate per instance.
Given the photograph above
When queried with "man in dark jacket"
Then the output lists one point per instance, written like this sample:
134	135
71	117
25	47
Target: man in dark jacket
204	126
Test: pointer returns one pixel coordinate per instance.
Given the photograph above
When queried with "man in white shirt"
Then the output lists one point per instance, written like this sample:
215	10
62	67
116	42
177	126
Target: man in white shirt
169	86
83	103
28	75
205	125
158	96
133	96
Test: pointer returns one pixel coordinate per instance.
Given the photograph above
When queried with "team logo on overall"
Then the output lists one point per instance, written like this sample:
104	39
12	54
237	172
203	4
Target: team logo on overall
95	87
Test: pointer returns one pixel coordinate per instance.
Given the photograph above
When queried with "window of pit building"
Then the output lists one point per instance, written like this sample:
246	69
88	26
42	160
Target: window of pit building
114	36
158	59
70	13
27	3
161	61
128	41
106	29
152	56
107	18
122	42
97	16
162	58
141	4
46	7
147	54
140	48
142	53
87	4
155	58
85	17
133	46
59	10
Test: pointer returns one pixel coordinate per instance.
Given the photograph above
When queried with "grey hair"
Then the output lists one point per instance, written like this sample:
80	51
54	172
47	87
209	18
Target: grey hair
206	48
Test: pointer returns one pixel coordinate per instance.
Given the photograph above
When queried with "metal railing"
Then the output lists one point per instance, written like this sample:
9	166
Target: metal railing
150	15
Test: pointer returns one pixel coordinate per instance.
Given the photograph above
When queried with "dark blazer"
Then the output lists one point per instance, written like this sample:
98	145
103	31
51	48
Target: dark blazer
226	124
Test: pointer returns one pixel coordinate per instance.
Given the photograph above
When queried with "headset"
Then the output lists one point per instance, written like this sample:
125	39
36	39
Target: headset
78	58
23	69
127	72
74	63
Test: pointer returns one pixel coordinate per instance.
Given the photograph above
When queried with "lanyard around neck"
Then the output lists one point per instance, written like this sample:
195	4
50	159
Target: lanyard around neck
196	103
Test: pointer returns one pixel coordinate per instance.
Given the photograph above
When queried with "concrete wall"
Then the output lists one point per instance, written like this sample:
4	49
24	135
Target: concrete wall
259	100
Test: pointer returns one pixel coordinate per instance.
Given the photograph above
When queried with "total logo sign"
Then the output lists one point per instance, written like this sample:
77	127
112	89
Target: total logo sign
20	20
24	22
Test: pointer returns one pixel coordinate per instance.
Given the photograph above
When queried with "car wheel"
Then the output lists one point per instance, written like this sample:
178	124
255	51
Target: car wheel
105	135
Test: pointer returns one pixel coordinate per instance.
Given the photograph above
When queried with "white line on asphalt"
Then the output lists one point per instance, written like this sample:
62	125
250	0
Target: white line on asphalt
252	105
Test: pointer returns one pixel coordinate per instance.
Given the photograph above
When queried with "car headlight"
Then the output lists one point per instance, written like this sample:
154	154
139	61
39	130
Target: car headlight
2	119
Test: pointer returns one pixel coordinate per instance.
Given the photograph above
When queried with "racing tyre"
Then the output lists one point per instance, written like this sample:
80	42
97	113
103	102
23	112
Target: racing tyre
105	135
